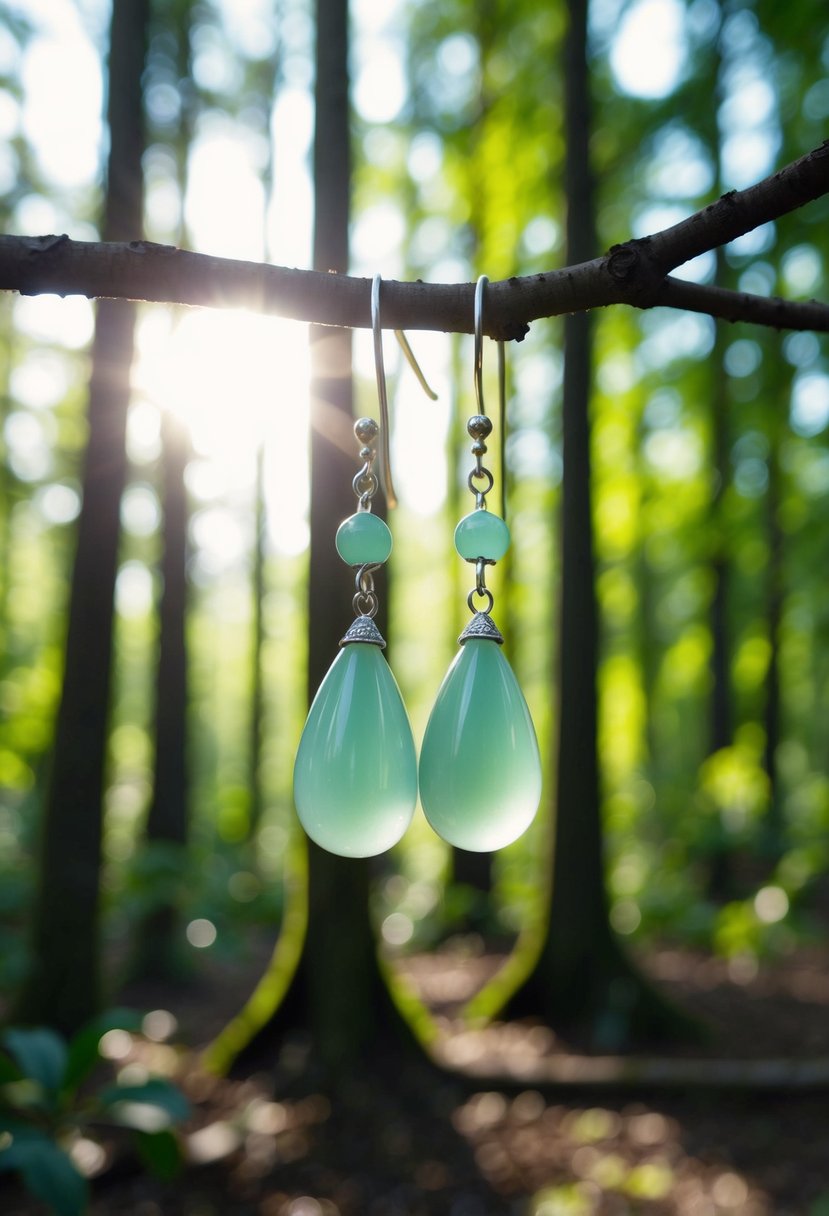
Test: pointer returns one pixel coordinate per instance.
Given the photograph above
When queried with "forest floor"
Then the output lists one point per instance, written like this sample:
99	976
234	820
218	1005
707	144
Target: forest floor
524	1126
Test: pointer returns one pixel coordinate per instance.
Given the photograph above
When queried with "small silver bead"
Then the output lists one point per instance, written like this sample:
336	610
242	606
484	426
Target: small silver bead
479	426
366	430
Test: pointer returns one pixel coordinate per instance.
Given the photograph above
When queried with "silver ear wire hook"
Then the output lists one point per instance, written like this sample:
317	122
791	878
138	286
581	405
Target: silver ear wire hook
380	370
414	365
502	381
479	342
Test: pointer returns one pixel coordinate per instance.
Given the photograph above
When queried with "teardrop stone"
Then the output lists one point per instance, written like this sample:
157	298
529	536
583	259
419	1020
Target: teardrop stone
480	769
355	776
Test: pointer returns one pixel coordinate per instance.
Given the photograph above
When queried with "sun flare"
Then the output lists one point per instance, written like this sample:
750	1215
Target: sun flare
239	382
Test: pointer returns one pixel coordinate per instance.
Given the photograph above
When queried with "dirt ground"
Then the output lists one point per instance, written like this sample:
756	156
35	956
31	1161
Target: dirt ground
522	1126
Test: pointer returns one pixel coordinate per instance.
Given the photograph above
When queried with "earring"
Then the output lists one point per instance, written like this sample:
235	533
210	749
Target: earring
355	776
480	769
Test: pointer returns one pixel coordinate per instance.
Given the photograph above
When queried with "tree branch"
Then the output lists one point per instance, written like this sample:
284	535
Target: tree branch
636	273
743	306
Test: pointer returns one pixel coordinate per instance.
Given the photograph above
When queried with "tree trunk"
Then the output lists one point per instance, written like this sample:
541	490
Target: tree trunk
582	984
7	478
773	830
720	877
158	953
167	821
266	75
720	867
720	704
337	998
257	691
63	985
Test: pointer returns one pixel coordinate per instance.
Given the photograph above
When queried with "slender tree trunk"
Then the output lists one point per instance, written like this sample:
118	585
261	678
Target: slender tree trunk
773	829
582	984
7	479
720	878
63	985
647	635
158	954
167	821
338	995
257	690
266	76
167	817
720	703
341	951
720	868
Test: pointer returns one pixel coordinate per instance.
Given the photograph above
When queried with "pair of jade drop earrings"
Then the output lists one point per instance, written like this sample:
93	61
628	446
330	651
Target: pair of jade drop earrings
356	775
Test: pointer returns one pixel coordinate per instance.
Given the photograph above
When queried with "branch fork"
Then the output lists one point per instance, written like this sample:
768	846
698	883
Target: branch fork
636	273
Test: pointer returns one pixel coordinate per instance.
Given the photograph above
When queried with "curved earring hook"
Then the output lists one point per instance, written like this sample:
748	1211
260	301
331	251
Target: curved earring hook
502	381
380	371
479	342
414	365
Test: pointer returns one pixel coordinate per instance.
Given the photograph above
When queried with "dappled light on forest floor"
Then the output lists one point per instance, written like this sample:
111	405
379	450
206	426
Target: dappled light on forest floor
383	1151
408	1141
762	1026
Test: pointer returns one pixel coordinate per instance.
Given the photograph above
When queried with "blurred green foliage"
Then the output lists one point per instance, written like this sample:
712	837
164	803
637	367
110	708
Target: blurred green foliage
472	164
51	1118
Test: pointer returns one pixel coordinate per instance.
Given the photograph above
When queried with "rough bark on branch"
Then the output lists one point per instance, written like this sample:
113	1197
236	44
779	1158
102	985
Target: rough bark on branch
635	273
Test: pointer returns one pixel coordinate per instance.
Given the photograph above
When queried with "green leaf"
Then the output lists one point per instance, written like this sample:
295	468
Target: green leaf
161	1153
13	1138
8	1069
155	1092
54	1179
83	1049
47	1172
40	1053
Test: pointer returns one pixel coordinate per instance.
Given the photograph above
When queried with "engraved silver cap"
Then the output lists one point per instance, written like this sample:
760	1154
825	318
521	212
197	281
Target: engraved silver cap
363	629
482	626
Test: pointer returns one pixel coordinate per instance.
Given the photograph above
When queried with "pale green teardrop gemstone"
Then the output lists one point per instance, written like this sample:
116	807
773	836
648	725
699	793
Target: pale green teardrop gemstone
363	539
480	770
482	534
355	776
